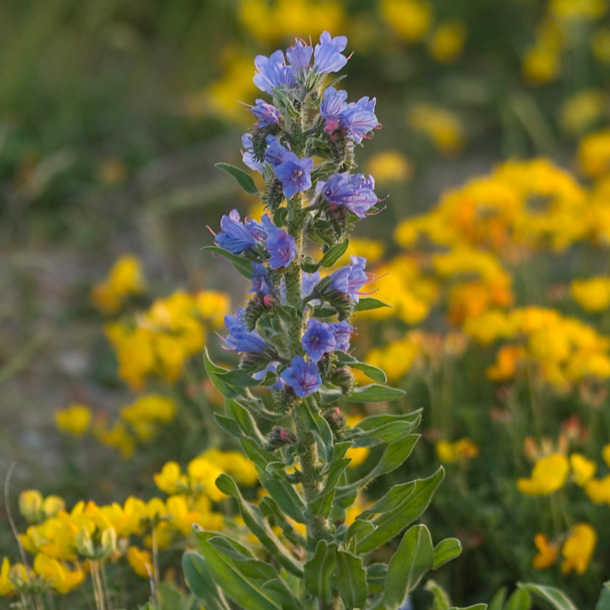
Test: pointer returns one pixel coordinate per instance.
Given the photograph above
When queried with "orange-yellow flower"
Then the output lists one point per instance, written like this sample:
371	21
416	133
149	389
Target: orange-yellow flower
578	548
547	552
549	474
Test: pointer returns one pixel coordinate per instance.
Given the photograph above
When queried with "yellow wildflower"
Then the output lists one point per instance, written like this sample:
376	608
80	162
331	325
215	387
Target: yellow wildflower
395	358
540	65
53	505
124	279
547	552
233	463
507	362
140	561
410	19
577	9
357	455
606	454
74	420
600	44
593	294
6	586
30	505
549	475
61	579
598	490
594	153
389	166
582	468
447	41
170	479
213	305
578	548
440	125
582	109
452	452
203	475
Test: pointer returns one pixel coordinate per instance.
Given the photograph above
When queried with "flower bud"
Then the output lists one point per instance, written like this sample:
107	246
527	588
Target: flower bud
107	543
84	544
335	420
31	505
280	437
343	378
255	308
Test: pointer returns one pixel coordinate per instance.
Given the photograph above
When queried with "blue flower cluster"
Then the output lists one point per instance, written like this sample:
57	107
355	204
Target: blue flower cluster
328	198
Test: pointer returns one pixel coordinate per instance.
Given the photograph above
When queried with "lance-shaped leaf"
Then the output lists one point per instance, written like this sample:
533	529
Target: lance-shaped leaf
368	303
388	524
197	575
234	583
350	579
214	373
280	590
557	598
241	264
316	424
375	373
323	503
445	551
519	600
375	393
333	254
246	422
255	522
413	558
319	569
243	178
383	428
497	602
239	379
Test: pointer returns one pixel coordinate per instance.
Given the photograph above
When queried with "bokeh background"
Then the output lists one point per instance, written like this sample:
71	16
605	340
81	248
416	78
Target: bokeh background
113	113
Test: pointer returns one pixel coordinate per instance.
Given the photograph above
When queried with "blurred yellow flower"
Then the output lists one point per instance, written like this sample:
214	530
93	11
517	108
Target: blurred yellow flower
600	44
578	548
549	474
389	166
440	125
447	41
577	9
540	65
125	278
410	19
140	561
606	454
583	469
74	420
598	490
452	452
547	552
594	153
61	579
593	294
582	109
6	586
170	479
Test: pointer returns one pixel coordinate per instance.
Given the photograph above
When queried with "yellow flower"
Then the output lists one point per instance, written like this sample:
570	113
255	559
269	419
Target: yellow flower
31	505
582	468
6	586
61	579
170	479
410	19
203	475
547	552
440	125
233	463
450	453
578	548
594	153
549	475
140	561
600	44
606	454
598	490
582	109
540	65
578	9
389	166
593	294
213	305
74	420
124	279
52	505
448	41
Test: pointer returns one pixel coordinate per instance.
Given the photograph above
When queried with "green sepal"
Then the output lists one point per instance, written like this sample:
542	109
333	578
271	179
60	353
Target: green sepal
557	598
446	550
375	393
200	582
368	303
243	265
388	524
255	522
319	569
350	579
413	558
243	178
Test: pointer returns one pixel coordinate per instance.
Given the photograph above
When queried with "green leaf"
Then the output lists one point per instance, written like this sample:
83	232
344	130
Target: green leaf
603	603
393	456
243	265
368	303
497	603
229	425
171	598
375	393
319	569
246	422
375	577
232	581
239	378
197	575
315	423
387	525
473	607
519	600
214	373
350	579
445	551
413	558
332	255
324	311
243	178
388	433
391	500
557	598
440	598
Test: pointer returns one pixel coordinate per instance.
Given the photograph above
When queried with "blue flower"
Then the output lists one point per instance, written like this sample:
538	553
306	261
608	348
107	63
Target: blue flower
260	280
270	368
343	333
308	281
349	280
333	104
241	340
294	174
281	247
272	72
247	155
275	151
319	339
267	114
299	56
303	377
355	192
235	236
359	118
327	54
